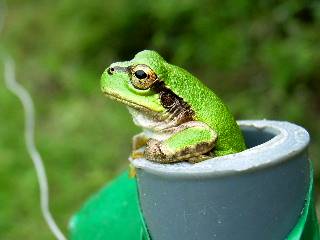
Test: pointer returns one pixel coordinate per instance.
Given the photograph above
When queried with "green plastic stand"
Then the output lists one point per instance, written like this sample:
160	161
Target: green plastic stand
307	227
114	213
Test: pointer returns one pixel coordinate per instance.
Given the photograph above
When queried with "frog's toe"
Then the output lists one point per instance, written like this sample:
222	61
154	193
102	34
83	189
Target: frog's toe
137	154
198	159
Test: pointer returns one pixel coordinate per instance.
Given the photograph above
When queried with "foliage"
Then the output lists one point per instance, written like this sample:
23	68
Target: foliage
261	57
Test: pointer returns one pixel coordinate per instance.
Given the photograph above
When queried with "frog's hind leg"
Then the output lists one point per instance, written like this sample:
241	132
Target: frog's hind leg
190	140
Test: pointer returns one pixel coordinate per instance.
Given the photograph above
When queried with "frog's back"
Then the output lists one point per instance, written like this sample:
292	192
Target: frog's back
208	108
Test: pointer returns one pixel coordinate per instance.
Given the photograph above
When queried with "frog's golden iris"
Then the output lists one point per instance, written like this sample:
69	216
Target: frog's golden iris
142	76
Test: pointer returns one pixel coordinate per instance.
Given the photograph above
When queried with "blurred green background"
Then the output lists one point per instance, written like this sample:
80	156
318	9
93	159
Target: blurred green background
261	57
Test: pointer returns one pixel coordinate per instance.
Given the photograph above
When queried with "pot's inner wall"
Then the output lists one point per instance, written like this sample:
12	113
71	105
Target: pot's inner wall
256	136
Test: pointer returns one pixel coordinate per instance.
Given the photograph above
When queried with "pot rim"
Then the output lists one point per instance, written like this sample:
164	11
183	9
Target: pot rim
289	141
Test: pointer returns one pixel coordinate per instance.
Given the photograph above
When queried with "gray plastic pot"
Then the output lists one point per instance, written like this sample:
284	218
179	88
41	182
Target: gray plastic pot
256	194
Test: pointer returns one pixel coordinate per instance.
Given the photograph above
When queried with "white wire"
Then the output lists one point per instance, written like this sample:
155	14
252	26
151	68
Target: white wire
26	100
27	103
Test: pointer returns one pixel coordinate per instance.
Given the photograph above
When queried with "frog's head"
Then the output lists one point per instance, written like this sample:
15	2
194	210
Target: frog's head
132	82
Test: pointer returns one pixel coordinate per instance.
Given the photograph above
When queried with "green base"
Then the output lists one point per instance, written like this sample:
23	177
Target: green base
114	213
307	227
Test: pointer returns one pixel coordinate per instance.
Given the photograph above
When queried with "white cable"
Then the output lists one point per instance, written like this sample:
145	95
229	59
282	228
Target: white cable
28	107
26	100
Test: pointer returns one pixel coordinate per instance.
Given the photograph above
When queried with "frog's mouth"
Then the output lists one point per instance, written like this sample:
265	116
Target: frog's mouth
129	103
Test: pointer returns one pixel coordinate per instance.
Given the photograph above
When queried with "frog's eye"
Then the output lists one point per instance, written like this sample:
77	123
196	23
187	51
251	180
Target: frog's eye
142	77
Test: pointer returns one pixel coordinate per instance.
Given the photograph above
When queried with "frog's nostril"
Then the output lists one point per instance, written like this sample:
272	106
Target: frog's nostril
110	70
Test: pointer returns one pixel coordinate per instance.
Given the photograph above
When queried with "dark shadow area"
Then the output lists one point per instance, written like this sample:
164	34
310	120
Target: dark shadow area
255	136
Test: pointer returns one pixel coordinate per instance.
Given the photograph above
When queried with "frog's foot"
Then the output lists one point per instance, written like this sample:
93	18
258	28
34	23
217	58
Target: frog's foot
191	140
139	141
137	154
153	152
198	159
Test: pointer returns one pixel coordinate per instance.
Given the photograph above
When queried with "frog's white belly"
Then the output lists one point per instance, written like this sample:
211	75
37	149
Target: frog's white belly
152	127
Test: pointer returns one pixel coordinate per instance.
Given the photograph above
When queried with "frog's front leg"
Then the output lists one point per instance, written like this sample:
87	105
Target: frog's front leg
189	141
138	141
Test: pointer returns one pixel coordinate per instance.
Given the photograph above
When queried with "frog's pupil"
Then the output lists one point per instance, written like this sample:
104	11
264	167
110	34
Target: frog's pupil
140	74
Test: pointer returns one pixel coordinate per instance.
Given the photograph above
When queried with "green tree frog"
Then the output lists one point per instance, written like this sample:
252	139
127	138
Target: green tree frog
182	119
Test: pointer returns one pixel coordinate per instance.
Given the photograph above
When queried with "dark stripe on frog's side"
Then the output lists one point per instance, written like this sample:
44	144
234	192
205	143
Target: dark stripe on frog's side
173	103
